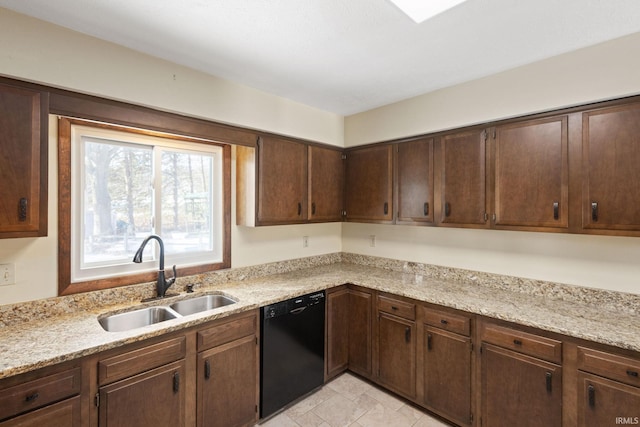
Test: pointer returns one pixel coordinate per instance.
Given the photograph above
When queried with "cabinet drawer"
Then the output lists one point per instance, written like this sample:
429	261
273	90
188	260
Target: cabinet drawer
448	321
609	365
40	392
523	342
397	307
227	331
133	362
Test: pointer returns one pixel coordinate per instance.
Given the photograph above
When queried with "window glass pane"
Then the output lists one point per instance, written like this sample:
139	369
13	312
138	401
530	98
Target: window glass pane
117	201
186	206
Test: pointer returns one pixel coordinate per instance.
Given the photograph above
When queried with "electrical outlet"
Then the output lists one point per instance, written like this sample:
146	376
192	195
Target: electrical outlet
305	241
7	274
372	240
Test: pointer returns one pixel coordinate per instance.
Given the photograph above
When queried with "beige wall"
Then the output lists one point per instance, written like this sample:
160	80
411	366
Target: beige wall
37	51
605	71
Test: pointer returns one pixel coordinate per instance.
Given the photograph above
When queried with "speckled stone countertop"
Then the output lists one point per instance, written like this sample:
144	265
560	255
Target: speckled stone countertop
31	340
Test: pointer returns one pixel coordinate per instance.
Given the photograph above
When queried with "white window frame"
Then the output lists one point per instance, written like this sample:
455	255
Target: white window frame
150	263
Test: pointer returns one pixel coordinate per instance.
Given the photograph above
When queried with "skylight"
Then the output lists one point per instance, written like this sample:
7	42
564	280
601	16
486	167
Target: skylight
421	10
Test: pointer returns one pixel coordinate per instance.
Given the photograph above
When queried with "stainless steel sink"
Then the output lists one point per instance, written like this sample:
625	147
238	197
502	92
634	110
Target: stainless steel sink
136	319
199	304
152	315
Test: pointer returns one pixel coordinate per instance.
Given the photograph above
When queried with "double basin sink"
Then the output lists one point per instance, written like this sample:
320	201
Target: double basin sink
151	315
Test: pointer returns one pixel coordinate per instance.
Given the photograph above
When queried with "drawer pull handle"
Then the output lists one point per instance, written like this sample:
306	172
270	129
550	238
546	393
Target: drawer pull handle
632	373
425	209
207	370
313	208
517	342
444	321
447	209
22	209
594	211
176	382
549	379
31	397
394	308
592	395
429	342
386	208
407	334
556	209
299	209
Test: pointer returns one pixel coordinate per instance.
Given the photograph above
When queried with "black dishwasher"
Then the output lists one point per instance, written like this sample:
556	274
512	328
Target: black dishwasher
291	351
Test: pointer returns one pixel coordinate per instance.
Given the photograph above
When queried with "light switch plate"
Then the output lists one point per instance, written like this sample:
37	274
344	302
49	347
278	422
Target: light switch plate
7	274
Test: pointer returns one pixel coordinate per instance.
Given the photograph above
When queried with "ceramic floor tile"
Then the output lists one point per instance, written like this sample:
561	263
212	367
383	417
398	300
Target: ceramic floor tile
280	420
349	386
338	411
310	419
310	402
382	416
386	399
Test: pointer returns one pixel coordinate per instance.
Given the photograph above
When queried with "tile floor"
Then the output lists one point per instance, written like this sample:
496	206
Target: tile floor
348	401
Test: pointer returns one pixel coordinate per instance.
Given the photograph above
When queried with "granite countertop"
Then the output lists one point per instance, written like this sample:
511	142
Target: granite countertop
30	345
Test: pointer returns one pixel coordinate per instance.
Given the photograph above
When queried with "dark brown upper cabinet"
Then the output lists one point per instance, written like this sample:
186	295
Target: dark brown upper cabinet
282	181
611	169
369	184
326	184
531	174
23	162
462	166
414	182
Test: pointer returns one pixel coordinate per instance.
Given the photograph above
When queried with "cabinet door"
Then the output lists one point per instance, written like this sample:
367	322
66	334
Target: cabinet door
62	414
611	155
397	354
154	398
447	374
326	184
462	169
23	162
415	181
282	181
369	184
227	384
602	402
360	316
337	347
519	390
531	174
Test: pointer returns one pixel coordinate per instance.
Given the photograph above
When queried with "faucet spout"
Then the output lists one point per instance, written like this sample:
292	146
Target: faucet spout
163	283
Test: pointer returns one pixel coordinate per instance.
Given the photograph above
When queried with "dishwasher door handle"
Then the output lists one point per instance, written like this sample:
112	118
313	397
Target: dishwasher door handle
298	310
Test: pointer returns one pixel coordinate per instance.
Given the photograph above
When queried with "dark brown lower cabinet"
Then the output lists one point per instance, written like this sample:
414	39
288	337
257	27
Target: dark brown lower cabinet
447	374
337	349
61	414
360	331
154	398
396	354
227	384
519	390
602	402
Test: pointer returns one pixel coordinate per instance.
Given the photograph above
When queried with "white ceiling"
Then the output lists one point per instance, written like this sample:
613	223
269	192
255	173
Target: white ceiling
344	56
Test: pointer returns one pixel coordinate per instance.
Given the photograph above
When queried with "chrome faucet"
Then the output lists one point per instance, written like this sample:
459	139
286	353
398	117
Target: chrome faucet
163	284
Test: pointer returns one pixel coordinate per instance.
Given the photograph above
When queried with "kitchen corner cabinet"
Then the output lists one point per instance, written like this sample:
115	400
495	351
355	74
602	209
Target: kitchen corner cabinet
227	373
462	178
145	386
414	182
447	361
531	174
521	378
23	161
326	184
396	345
608	389
49	397
610	159
369	184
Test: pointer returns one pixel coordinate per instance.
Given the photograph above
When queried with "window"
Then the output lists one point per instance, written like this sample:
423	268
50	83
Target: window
126	184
